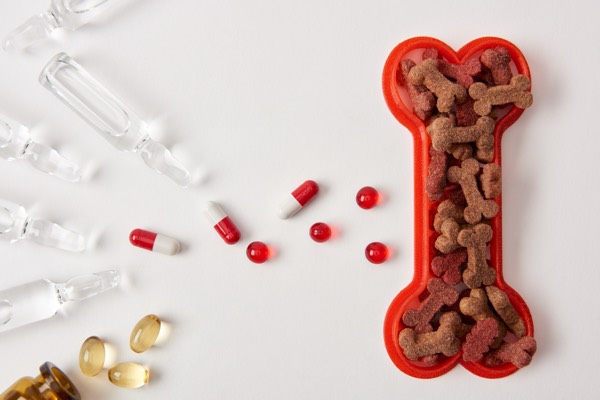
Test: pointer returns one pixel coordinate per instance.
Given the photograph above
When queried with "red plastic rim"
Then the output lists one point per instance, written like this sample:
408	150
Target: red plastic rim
408	297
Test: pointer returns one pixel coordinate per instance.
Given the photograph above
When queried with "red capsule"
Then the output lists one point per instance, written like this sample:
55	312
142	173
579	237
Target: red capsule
367	197
154	242
222	223
298	199
257	252
320	232
376	252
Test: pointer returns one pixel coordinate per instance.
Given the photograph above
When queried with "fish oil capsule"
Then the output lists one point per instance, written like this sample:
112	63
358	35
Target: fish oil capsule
154	242
128	375
298	199
92	356
221	222
145	333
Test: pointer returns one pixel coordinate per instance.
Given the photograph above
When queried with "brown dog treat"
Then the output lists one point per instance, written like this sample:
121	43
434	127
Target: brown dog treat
491	180
498	61
461	151
462	74
476	306
519	353
448	267
515	92
436	178
443	341
506	311
447	242
478	271
463	330
422	99
446	92
478	206
440	294
444	134
485	156
479	340
447	209
465	114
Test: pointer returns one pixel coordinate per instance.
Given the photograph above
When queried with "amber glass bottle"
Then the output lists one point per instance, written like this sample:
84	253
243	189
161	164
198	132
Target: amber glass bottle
51	384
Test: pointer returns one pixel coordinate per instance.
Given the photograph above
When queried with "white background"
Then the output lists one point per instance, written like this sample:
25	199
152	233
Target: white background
261	96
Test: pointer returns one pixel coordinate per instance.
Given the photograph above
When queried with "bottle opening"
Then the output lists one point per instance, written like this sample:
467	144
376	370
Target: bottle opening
59	382
7	220
6	134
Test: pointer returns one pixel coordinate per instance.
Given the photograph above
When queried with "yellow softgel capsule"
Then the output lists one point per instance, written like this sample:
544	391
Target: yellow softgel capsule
92	356
145	333
128	375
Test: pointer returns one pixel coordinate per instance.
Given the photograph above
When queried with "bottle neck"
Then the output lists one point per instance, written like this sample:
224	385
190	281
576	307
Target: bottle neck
53	384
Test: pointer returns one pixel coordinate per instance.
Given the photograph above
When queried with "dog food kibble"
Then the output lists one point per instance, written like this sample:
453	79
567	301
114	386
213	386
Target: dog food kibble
376	252
128	375
367	198
459	106
92	356
144	334
257	252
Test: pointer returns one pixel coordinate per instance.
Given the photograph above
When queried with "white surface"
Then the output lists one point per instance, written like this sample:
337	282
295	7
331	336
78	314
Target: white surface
260	96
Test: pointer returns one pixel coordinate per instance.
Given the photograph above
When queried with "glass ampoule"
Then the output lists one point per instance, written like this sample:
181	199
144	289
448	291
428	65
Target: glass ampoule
15	143
16	224
115	121
42	299
50	384
67	14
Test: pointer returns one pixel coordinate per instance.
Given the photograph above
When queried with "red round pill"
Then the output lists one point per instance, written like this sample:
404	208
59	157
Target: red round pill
320	232
257	252
376	252
367	197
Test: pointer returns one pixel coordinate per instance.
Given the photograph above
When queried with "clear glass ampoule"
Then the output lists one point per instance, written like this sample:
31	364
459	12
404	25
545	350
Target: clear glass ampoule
42	299
50	384
116	122
15	143
67	14
16	224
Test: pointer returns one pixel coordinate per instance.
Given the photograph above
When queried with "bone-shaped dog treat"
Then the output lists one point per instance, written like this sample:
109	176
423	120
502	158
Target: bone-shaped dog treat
448	267
519	353
515	92
491	180
461	151
446	92
436	179
480	339
476	306
498	61
447	209
447	242
462	74
422	99
444	134
506	311
465	176
485	155
440	294
478	271
443	341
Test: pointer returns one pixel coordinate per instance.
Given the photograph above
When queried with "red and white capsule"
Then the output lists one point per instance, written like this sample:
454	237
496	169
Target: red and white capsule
298	199
154	242
221	222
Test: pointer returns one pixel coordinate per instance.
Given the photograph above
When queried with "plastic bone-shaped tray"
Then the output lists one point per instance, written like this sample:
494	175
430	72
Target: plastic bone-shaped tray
399	104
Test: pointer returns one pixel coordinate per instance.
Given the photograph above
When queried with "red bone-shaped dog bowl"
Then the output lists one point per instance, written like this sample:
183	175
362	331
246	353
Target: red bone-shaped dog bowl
408	298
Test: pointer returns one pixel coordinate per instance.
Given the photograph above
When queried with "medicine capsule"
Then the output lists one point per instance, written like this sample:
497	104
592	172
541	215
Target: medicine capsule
92	356
154	242
320	232
128	375
367	197
376	252
145	333
257	252
298	199
222	223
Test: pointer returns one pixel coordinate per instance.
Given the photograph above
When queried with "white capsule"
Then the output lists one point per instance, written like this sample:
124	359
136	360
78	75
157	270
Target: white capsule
296	200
